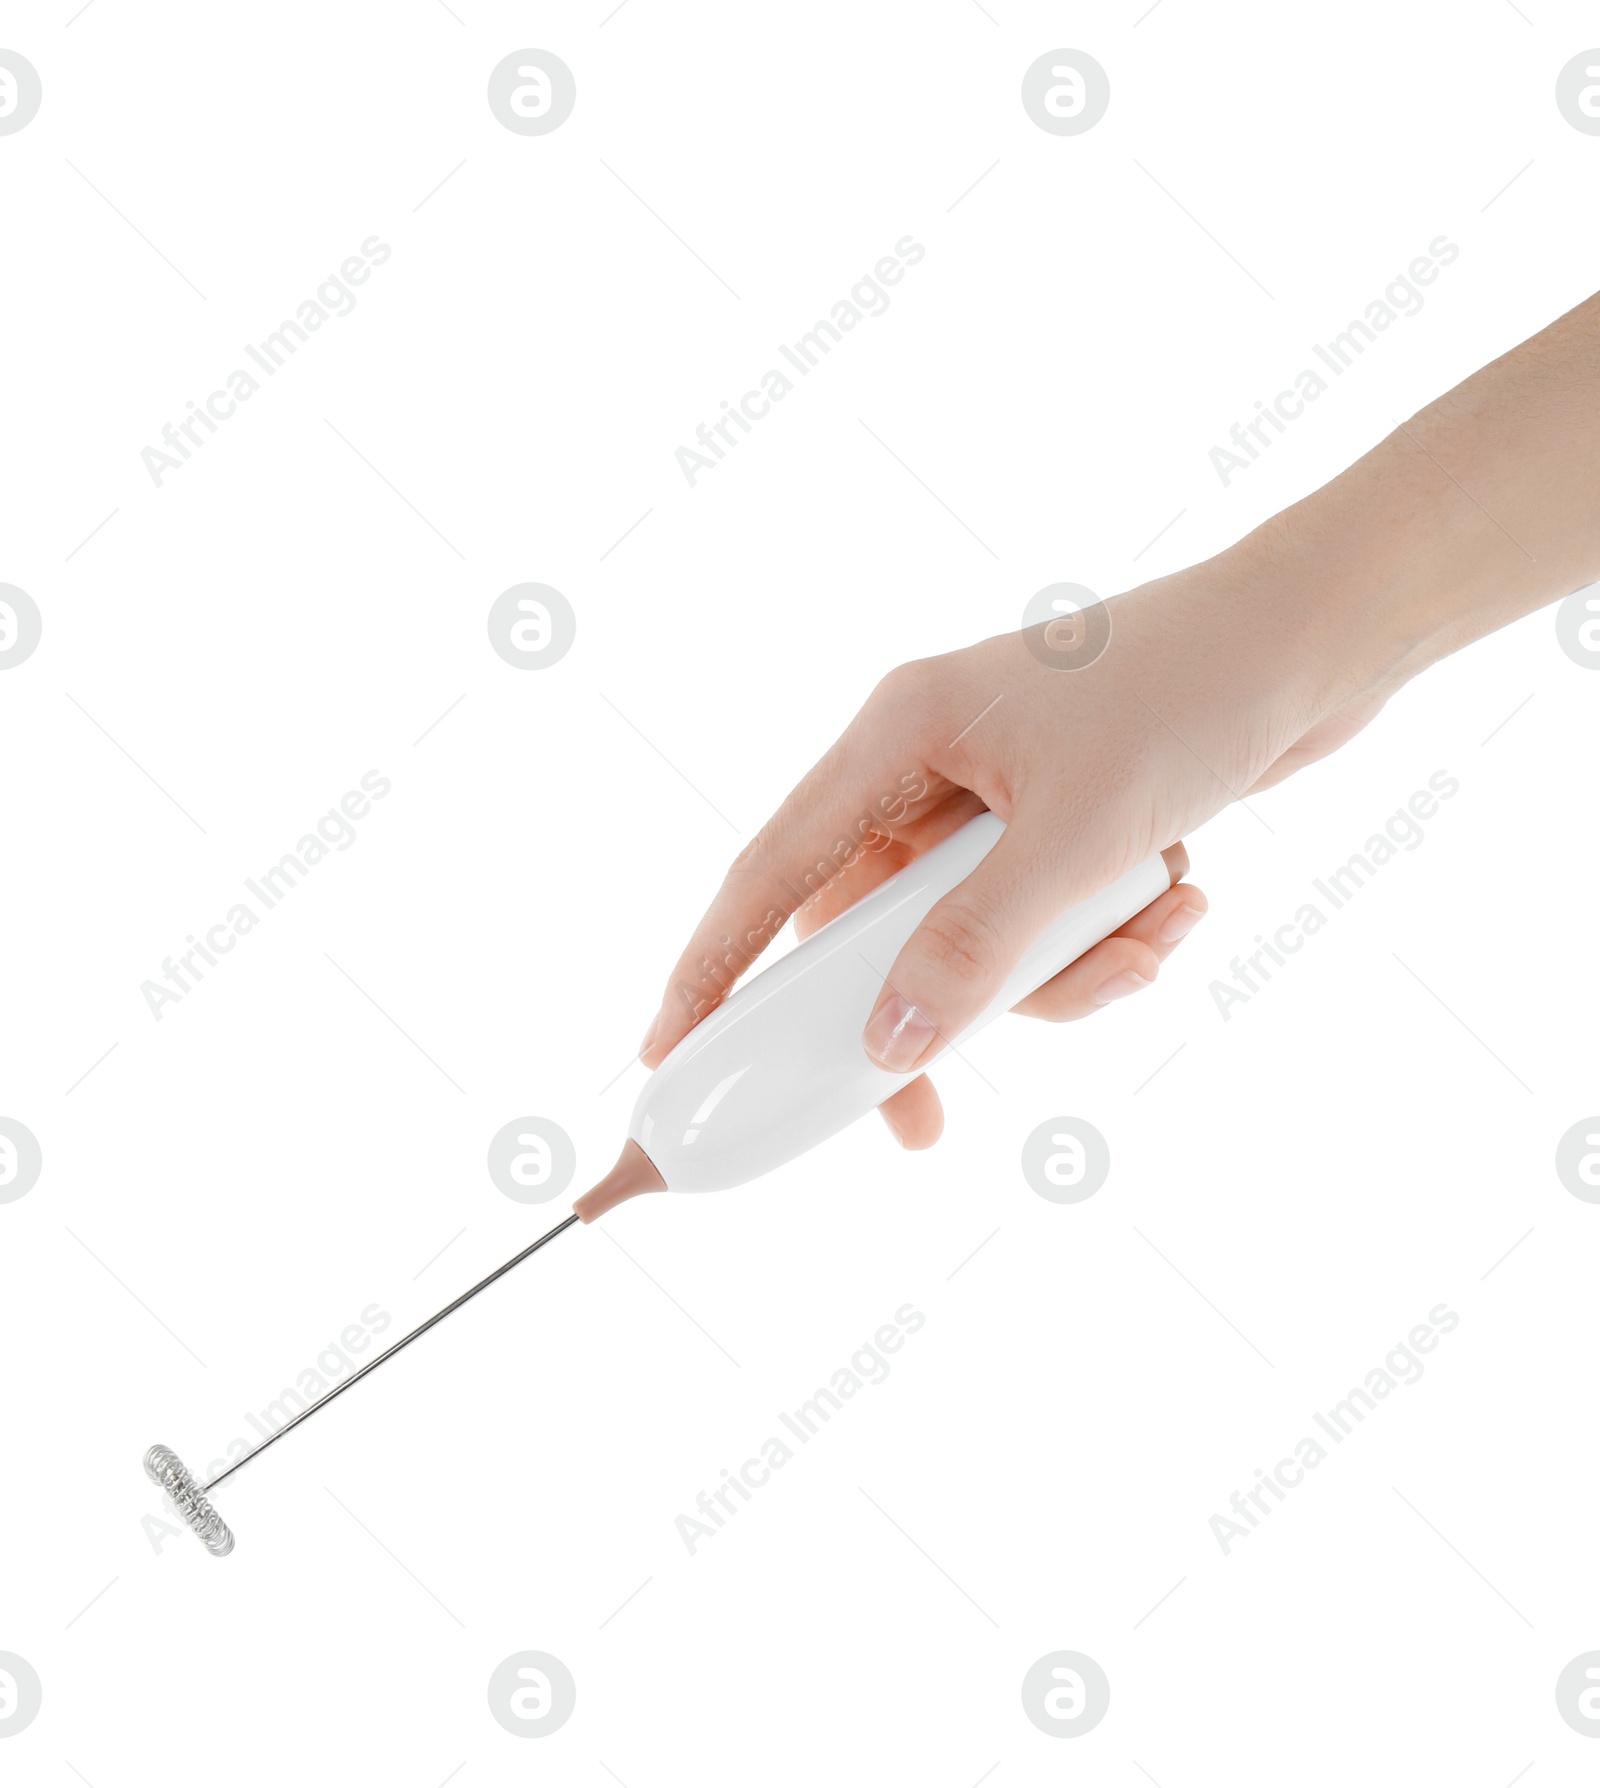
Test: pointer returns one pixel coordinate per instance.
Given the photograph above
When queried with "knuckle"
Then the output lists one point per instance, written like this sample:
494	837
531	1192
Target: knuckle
904	683
961	941
757	855
747	855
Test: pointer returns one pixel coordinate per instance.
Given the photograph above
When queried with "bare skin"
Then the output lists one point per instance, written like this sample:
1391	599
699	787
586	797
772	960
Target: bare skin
1220	680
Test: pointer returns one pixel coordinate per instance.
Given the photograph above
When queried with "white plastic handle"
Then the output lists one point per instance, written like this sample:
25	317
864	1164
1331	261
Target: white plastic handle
779	1066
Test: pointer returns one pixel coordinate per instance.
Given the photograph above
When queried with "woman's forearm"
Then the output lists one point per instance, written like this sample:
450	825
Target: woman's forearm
1481	508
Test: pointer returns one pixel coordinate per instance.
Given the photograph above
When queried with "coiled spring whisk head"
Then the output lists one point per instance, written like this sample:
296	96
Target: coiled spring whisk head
163	1466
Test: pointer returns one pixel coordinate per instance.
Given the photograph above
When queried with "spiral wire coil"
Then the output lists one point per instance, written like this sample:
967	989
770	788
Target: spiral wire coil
164	1467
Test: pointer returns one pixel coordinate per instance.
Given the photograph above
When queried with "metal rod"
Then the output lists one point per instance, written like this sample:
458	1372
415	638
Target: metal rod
388	1353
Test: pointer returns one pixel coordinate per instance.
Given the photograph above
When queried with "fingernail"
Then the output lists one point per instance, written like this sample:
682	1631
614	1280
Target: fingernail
1180	923
897	1034
1119	987
894	1129
650	1034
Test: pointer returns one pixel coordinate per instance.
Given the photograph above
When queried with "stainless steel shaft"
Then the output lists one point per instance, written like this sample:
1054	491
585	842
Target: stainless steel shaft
165	1468
390	1351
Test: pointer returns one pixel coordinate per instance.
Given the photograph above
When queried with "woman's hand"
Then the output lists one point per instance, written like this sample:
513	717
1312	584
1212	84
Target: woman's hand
1092	770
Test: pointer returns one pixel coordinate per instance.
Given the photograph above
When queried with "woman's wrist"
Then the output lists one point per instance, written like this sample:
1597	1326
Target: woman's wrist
1373	564
1286	628
1378	575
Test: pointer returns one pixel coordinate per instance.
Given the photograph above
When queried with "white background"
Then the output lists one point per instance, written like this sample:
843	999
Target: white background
274	1155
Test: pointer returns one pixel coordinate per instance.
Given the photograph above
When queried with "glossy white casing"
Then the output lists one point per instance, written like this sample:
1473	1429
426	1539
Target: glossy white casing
780	1067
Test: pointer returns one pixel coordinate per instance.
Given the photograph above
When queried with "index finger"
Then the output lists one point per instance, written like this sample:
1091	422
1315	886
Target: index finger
853	802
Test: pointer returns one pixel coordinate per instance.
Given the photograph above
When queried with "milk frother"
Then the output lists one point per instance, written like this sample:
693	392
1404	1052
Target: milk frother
777	1068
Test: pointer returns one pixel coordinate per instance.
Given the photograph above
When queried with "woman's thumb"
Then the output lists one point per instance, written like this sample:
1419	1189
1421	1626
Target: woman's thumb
956	961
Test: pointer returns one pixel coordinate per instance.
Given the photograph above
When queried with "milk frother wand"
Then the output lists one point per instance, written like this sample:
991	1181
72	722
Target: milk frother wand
777	1068
164	1467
